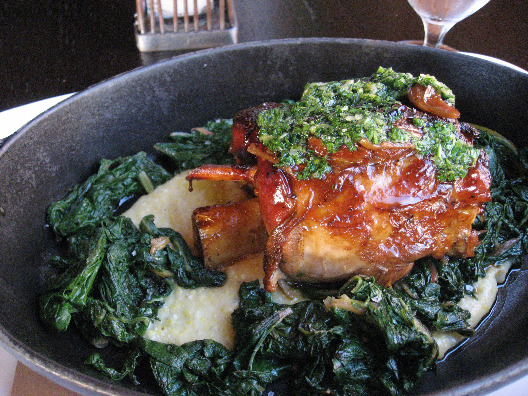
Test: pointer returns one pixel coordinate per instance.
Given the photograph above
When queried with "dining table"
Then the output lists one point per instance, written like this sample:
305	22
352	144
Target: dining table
50	49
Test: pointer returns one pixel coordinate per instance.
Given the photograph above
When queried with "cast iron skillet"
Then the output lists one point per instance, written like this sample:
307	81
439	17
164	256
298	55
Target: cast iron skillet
133	111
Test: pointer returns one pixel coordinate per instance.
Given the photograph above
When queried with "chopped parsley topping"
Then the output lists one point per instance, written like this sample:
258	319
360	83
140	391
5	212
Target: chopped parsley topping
341	113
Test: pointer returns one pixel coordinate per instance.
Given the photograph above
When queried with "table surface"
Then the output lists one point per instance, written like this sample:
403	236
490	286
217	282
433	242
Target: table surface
53	47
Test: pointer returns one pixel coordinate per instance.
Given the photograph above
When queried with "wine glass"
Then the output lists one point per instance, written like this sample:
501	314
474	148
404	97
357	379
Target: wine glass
439	16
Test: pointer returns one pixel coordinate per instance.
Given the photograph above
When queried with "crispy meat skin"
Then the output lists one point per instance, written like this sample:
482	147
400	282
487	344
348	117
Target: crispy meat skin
245	133
379	210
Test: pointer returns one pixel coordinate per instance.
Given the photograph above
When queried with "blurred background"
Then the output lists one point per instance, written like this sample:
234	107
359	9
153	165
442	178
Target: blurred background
53	47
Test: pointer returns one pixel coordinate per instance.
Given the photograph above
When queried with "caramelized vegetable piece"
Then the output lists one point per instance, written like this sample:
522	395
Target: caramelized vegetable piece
428	99
227	233
221	172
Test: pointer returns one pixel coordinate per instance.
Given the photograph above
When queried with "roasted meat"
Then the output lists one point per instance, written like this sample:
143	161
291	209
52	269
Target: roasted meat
380	208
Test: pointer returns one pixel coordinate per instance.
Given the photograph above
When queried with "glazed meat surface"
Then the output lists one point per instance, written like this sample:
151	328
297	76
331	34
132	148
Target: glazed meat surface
379	209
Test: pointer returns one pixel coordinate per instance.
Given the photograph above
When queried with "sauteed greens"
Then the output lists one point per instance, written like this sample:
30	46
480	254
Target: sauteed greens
207	145
111	278
359	339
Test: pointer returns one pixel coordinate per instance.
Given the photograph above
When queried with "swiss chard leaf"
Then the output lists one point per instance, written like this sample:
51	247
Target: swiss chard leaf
132	280
378	340
175	258
433	305
69	291
128	369
195	368
100	195
207	145
506	217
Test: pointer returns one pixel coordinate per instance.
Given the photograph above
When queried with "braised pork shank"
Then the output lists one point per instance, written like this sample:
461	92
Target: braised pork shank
376	210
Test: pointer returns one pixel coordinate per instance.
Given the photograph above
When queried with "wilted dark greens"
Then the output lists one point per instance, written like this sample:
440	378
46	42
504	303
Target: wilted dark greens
207	145
98	197
357	338
111	279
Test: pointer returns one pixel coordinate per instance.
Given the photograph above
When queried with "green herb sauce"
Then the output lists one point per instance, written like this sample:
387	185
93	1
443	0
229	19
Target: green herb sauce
341	113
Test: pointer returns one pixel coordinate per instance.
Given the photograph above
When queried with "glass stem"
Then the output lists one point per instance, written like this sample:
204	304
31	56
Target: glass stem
435	32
